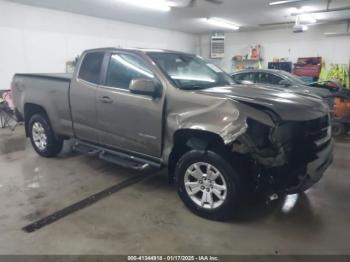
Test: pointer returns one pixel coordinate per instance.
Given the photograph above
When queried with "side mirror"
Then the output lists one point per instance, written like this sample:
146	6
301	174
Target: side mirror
144	86
284	82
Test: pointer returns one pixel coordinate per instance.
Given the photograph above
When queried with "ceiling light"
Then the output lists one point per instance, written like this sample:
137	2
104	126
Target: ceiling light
284	2
222	23
158	5
307	19
294	10
298	27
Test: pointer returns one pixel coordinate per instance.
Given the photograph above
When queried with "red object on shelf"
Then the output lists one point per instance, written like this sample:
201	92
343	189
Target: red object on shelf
308	66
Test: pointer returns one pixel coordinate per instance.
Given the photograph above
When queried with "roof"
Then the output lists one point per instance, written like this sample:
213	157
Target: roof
257	70
144	50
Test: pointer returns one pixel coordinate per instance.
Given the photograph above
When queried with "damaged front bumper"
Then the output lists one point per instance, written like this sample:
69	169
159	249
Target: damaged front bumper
288	158
315	169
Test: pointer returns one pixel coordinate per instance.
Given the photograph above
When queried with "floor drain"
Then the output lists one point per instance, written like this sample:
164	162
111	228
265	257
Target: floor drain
83	203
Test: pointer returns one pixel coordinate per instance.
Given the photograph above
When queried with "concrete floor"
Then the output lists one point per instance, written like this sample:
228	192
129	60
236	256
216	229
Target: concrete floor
149	218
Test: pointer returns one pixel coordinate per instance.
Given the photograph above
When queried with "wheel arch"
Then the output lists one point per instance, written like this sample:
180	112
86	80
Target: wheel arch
185	140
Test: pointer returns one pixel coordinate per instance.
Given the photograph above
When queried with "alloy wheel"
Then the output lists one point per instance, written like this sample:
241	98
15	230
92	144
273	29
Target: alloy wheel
205	185
39	136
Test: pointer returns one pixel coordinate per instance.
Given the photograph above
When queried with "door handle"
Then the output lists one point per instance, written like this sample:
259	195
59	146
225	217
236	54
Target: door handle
106	100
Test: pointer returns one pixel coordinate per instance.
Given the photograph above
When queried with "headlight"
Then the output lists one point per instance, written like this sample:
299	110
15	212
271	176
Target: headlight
259	133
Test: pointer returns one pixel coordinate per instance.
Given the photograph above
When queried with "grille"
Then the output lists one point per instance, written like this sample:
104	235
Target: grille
318	131
303	140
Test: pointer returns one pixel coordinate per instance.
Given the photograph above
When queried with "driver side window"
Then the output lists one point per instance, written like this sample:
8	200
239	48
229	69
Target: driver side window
275	80
262	78
125	67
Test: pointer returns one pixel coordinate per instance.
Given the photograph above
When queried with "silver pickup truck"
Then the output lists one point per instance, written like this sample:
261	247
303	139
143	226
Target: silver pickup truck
155	108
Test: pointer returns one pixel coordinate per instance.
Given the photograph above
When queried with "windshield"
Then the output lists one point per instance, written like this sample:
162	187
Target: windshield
190	71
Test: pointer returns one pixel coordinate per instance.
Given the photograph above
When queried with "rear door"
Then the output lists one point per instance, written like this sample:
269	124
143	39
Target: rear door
83	96
129	121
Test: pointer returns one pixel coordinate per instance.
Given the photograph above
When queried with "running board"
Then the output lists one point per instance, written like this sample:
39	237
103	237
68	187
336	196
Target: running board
86	149
115	157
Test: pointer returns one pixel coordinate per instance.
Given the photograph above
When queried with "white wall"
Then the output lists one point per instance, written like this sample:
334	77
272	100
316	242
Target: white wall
41	40
284	43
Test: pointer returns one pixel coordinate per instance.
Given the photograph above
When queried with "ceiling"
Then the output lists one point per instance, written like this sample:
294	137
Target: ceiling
249	14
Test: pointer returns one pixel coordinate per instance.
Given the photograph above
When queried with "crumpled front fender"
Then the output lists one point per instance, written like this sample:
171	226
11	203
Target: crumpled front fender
224	117
221	118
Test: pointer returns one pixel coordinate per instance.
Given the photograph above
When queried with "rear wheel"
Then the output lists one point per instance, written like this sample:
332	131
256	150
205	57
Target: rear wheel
42	137
207	184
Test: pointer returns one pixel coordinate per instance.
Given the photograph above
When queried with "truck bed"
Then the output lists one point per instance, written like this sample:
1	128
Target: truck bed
51	92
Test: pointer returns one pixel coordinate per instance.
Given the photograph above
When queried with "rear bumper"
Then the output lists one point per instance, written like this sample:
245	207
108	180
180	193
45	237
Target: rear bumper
315	169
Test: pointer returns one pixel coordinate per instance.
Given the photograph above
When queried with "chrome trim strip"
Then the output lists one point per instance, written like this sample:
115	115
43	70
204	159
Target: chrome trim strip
325	139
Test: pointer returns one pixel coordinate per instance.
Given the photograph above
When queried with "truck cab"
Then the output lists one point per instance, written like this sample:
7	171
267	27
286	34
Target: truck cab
107	108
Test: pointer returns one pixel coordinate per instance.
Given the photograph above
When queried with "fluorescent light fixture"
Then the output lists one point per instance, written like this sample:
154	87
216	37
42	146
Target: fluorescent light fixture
303	9
222	23
284	2
337	34
158	5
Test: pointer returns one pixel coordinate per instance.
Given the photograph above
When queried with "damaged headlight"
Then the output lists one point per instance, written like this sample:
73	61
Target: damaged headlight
259	133
286	132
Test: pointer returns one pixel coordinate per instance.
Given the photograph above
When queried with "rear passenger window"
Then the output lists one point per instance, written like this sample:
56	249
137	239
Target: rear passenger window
91	67
123	68
245	77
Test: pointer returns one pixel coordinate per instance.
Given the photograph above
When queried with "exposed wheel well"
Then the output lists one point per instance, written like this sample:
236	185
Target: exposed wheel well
188	139
29	111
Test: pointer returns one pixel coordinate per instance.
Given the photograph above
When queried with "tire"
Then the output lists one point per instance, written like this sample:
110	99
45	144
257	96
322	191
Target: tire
217	209
338	129
51	146
347	128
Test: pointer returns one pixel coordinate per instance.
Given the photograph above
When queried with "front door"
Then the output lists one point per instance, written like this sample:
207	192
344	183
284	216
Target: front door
129	121
83	92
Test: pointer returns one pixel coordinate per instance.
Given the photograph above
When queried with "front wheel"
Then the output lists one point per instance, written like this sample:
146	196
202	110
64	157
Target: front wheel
207	184
42	137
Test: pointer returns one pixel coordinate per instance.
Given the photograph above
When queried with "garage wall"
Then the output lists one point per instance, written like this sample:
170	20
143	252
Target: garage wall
285	43
41	40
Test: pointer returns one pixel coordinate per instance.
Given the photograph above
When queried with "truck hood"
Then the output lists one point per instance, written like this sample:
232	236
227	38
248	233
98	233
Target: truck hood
288	105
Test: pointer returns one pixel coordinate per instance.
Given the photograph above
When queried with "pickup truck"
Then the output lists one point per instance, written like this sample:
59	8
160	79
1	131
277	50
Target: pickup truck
146	109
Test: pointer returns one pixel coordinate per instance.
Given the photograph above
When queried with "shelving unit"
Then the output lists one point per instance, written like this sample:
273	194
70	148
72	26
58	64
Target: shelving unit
245	64
250	60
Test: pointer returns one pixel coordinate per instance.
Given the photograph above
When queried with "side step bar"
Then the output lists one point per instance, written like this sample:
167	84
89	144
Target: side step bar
115	157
